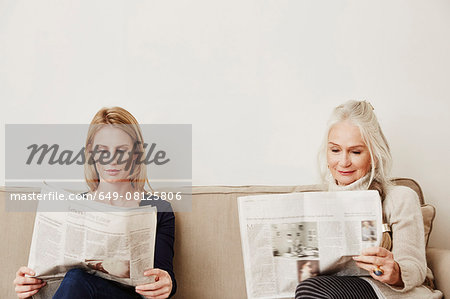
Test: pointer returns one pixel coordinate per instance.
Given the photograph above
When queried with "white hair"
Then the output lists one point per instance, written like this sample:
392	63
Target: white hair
360	113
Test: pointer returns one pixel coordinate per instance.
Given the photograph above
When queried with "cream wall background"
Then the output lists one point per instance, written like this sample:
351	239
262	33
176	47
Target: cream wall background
256	79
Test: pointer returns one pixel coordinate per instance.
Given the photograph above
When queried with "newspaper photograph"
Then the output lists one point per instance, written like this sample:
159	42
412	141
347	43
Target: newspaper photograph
287	238
114	242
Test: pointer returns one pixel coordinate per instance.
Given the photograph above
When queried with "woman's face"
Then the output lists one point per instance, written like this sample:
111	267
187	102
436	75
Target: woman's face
117	143
347	155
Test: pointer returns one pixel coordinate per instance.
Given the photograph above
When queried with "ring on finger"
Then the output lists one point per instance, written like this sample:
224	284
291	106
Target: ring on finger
378	271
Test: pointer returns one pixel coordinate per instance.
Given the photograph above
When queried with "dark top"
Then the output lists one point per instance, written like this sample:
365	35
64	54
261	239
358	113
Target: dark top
165	237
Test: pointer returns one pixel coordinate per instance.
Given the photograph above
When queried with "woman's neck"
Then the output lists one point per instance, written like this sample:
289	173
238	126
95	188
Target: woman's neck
360	184
116	193
122	188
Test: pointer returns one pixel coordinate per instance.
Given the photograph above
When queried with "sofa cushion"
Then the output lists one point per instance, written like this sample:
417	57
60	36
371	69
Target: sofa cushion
428	214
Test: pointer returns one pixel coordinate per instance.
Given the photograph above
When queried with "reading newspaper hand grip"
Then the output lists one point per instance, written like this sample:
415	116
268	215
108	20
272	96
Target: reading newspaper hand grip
287	238
117	243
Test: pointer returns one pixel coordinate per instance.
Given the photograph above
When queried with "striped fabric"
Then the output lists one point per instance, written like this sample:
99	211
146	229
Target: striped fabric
335	287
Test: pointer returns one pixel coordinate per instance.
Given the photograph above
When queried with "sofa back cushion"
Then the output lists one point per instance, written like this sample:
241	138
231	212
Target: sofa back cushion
428	213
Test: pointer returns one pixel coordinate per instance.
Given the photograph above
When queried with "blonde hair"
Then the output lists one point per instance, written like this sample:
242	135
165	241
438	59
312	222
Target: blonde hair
360	114
124	120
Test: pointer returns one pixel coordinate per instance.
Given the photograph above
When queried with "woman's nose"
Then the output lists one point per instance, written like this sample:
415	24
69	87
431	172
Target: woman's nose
345	160
115	158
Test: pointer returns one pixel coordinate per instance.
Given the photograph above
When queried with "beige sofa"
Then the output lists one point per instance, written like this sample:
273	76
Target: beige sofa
208	257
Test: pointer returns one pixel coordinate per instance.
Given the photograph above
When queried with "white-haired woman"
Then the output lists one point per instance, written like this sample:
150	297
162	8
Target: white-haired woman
356	156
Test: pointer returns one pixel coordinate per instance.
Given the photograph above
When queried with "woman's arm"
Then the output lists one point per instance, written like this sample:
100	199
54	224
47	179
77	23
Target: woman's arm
165	238
405	266
163	261
408	243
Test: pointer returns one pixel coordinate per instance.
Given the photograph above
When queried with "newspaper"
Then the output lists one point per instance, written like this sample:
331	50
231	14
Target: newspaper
113	242
287	238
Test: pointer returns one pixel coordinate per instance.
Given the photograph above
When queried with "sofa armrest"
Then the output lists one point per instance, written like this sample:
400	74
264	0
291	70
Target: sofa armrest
438	260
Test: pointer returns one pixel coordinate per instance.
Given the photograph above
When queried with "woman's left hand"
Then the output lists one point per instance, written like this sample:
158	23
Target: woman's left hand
160	289
379	257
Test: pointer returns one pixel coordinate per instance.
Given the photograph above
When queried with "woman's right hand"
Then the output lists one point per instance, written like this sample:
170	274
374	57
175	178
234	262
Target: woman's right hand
27	286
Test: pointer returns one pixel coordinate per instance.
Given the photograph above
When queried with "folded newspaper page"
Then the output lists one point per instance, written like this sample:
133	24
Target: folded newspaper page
116	243
287	238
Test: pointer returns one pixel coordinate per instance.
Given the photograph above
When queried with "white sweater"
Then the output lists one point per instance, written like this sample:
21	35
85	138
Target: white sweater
402	210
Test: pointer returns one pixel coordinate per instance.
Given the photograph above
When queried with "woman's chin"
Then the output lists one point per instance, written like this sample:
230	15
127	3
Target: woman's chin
115	180
343	181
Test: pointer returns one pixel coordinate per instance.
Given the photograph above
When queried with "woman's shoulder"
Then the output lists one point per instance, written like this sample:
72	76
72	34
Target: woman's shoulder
402	190
155	201
401	197
395	191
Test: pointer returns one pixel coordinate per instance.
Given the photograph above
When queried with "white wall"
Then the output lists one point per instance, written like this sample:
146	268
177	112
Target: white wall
257	79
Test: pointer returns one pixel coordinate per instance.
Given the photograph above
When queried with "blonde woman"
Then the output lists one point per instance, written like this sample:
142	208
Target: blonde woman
115	132
356	156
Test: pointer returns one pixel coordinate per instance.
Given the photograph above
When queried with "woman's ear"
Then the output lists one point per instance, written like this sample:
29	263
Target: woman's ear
133	165
137	160
375	162
88	153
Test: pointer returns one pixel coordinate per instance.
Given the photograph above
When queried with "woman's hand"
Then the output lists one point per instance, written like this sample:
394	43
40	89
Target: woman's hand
159	289
27	286
379	257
